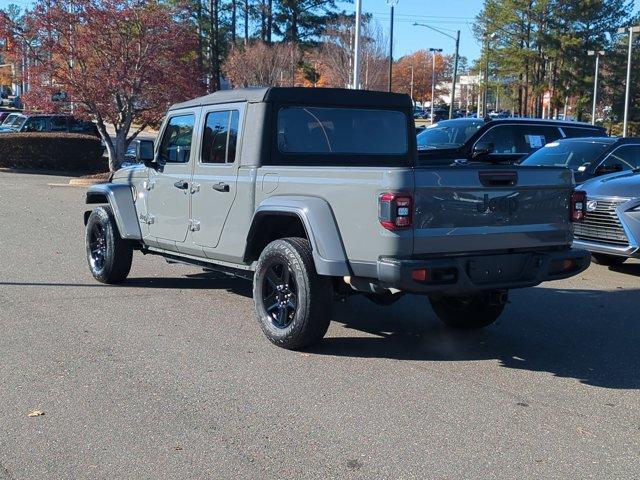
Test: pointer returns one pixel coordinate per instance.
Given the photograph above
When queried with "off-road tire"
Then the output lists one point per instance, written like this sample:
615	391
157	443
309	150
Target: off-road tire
607	260
114	264
468	312
308	322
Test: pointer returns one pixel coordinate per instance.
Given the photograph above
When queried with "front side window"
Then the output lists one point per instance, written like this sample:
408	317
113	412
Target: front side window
220	137
36	124
519	139
341	131
58	124
626	157
176	141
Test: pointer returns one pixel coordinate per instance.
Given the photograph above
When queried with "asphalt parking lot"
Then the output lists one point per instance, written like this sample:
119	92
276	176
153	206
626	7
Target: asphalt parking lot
169	375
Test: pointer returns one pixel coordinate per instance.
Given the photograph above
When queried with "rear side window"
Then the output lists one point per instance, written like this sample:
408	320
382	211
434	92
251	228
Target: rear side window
578	132
520	139
220	137
176	140
329	131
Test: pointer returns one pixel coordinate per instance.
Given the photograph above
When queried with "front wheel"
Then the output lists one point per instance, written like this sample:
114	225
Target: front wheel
292	302
607	260
108	255
469	312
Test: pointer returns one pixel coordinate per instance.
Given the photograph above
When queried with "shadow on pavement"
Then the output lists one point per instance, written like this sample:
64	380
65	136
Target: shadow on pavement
592	336
628	268
199	281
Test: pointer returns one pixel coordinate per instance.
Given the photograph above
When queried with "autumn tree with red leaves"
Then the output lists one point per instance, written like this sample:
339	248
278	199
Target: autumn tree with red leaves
120	62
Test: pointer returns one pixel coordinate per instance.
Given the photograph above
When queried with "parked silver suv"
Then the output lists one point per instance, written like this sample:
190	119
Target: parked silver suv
313	193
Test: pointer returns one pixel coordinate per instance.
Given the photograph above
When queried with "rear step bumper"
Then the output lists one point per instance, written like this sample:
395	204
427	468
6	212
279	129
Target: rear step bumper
458	275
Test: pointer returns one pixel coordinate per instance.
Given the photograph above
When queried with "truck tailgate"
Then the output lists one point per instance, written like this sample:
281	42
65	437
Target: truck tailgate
472	208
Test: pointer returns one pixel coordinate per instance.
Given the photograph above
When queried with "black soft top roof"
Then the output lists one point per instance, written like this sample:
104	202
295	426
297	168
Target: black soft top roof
306	96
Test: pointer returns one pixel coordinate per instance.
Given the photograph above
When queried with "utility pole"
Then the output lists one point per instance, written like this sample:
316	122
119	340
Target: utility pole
631	31
597	54
356	47
392	4
412	84
433	78
455	63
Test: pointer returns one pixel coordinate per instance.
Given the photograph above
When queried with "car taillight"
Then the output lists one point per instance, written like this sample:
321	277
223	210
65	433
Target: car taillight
578	206
394	210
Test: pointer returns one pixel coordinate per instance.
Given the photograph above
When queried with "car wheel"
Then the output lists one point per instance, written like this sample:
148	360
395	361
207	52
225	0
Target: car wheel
292	302
607	260
108	255
468	312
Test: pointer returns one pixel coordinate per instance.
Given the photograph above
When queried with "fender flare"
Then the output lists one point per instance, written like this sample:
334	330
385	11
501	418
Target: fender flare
120	199
320	225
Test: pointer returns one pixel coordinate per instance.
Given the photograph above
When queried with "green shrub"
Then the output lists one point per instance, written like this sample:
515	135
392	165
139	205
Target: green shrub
52	151
616	129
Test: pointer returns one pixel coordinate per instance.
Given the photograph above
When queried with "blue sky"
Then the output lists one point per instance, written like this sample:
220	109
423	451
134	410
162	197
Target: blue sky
448	15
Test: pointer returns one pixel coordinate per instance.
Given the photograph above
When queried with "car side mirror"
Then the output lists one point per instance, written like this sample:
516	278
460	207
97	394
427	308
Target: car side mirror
145	153
606	169
482	148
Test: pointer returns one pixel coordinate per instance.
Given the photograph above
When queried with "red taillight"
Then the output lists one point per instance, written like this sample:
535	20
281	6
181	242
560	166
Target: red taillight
394	210
578	206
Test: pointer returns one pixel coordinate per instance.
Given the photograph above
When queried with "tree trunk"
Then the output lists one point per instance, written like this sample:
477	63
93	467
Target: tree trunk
246	22
234	9
269	20
215	46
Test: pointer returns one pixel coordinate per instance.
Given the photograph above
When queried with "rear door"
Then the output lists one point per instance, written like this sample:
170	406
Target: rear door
476	208
216	170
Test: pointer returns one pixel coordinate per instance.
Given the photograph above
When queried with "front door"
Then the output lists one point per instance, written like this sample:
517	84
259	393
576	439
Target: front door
214	180
169	185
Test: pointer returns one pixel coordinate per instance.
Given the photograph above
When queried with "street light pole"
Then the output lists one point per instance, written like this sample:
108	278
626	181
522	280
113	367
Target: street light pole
485	86
356	47
392	4
631	31
597	54
455	63
433	78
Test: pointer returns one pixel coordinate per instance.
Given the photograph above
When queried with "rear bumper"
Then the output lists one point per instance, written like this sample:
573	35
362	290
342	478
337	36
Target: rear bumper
458	275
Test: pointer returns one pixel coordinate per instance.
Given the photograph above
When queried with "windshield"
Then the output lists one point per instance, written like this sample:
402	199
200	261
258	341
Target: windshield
448	134
567	154
10	119
336	131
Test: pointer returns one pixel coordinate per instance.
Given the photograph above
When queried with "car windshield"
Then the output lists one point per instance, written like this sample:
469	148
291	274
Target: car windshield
573	154
334	131
10	119
448	134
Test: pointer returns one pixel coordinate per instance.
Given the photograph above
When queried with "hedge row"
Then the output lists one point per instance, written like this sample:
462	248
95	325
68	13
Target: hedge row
52	151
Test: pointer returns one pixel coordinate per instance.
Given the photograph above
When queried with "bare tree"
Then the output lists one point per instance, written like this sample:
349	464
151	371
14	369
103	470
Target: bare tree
263	64
336	52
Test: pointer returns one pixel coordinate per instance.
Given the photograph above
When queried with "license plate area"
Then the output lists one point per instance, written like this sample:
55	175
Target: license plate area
497	268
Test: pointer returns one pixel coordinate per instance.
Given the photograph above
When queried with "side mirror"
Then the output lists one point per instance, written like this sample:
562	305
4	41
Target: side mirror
606	169
482	148
145	153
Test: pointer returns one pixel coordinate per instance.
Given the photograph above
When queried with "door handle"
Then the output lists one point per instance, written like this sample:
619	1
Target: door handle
181	184
221	187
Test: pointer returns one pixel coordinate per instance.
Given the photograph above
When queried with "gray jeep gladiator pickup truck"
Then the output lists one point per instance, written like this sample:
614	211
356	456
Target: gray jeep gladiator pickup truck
315	194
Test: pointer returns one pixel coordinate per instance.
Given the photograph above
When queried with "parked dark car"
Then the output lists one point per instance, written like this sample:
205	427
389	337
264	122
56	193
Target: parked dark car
49	123
589	157
506	140
611	226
